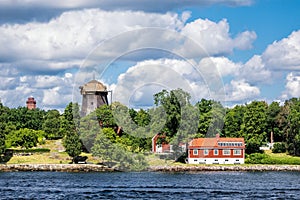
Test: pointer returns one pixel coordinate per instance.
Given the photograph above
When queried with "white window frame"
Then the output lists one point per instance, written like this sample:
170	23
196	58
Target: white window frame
234	152
225	154
205	152
216	152
195	152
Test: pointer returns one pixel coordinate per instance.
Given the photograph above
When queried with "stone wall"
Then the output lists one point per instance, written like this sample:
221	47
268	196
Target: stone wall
195	168
56	167
180	168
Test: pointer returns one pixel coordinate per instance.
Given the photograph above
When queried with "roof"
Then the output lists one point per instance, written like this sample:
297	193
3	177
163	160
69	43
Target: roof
213	142
93	86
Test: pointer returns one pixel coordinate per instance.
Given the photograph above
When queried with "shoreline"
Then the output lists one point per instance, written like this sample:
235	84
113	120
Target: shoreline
55	168
179	168
233	168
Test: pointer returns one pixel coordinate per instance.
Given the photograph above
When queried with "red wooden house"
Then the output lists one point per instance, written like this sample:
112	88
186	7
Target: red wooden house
216	151
164	147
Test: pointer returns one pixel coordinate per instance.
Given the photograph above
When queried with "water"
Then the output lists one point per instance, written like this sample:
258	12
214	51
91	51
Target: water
150	185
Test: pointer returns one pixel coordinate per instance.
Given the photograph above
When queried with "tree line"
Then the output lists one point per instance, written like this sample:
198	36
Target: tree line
116	132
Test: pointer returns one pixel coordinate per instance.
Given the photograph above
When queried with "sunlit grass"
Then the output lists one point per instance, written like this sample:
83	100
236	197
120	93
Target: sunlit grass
44	158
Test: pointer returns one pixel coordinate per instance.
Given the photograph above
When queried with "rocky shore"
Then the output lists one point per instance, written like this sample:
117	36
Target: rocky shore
242	168
179	168
56	167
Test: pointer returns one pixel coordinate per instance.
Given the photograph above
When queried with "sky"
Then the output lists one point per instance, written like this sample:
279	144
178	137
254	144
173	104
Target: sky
232	51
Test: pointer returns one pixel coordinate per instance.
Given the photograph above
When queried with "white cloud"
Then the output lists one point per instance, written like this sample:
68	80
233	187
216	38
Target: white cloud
254	71
292	87
140	82
240	90
42	54
284	54
69	37
49	91
215	38
149	77
55	96
224	66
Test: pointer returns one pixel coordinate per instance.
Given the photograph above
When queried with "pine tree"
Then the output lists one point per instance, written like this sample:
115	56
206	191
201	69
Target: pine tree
72	144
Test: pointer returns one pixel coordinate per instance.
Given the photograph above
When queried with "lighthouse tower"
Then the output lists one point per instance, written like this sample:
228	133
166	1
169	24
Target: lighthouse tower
94	94
31	103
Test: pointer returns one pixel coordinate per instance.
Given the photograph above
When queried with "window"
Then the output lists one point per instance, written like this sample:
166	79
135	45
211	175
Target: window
226	160
195	152
205	151
226	151
237	152
216	152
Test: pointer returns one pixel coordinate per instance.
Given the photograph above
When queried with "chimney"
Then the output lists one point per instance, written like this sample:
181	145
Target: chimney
217	135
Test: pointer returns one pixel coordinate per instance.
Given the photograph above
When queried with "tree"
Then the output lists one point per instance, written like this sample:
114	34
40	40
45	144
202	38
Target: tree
70	124
103	146
52	124
211	118
22	117
2	140
25	138
72	144
233	121
272	122
88	130
105	116
293	130
3	121
115	153
142	118
254	126
172	102
187	130
141	131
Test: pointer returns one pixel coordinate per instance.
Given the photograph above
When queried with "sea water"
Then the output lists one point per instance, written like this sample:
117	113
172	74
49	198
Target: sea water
150	185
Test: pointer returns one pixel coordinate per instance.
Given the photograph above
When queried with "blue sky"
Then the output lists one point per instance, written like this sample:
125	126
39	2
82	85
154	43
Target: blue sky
234	51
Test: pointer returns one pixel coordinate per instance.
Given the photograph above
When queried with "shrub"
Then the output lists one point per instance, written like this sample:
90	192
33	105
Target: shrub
256	158
279	147
261	158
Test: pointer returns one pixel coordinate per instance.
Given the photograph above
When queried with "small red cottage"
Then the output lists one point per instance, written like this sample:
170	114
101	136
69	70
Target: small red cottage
216	151
164	148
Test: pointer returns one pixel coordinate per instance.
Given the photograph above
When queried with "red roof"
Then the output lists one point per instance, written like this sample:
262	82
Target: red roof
213	142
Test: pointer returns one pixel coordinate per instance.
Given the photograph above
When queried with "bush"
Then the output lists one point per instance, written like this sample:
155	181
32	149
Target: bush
256	158
279	147
261	158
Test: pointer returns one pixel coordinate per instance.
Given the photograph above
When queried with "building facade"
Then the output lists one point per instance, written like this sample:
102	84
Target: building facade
94	94
216	151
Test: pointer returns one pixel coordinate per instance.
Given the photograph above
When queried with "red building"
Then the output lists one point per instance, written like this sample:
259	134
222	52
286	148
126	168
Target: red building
31	103
216	151
164	147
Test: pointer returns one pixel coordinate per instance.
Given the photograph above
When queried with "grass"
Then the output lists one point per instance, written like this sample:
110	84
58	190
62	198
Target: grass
43	158
283	158
154	160
273	158
55	156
